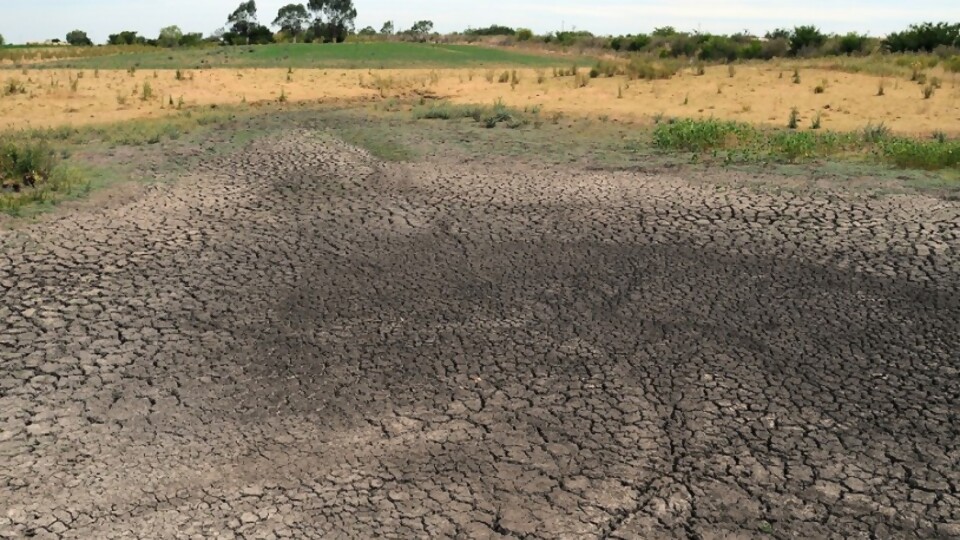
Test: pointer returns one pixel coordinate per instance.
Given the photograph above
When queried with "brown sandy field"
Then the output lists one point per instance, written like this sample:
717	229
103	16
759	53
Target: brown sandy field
760	94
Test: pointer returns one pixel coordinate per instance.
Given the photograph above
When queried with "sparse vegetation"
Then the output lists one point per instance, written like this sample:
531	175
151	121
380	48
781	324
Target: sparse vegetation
739	142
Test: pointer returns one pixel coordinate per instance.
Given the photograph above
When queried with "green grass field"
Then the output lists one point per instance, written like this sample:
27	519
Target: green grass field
374	55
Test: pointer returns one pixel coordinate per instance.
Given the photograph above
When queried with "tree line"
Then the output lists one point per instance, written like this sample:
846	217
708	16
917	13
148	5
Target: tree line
332	21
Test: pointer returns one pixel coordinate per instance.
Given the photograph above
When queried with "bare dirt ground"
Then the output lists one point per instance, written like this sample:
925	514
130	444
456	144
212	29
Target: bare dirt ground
301	341
758	94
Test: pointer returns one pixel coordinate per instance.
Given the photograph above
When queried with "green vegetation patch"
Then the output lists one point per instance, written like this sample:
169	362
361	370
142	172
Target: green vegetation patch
739	142
372	55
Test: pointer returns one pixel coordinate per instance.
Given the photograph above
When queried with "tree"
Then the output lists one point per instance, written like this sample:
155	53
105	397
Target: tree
192	39
292	20
367	31
421	28
779	33
244	18
78	37
524	34
333	19
387	28
806	38
126	37
2	42
924	37
170	37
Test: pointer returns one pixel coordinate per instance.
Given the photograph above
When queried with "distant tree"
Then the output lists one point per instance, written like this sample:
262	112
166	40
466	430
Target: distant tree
193	39
387	28
292	20
125	38
244	29
421	29
851	43
665	31
243	20
170	37
779	33
492	30
367	31
806	38
924	37
333	19
2	42
78	37
524	34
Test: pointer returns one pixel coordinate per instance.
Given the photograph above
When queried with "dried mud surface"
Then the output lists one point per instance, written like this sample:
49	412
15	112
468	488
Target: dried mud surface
300	341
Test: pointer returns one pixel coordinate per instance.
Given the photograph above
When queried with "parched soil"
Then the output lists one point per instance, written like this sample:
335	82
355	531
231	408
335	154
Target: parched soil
301	341
762	94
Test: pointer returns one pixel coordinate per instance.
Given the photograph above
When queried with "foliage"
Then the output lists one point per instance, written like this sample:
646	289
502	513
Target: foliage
126	37
492	30
2	41
387	29
524	34
79	38
170	37
421	29
806	38
924	37
333	19
735	141
292	19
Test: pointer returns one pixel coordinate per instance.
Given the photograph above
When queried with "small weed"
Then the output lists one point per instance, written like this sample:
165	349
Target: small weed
731	71
96	73
180	103
504	77
74	85
121	99
939	136
489	76
541	76
594	73
581	80
146	93
699	69
815	123
619	92
874	133
794	120
881	88
928	91
14	86
796	76
283	96
179	75
686	99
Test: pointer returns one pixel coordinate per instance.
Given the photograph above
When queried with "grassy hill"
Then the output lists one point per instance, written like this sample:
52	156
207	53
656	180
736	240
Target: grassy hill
343	55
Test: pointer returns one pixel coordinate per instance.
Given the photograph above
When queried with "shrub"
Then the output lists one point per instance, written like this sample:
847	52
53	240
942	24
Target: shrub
874	133
25	165
928	91
794	119
14	86
504	77
815	123
524	34
594	73
147	92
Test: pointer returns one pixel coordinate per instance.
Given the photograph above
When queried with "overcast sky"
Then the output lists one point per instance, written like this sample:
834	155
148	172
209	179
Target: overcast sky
36	20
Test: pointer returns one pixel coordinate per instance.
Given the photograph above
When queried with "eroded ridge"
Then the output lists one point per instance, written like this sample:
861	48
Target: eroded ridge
300	341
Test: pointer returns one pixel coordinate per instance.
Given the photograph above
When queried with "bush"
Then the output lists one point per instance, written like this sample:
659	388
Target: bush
524	34
25	165
924	37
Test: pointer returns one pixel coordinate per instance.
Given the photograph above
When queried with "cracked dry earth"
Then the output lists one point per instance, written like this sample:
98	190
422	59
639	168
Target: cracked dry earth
304	342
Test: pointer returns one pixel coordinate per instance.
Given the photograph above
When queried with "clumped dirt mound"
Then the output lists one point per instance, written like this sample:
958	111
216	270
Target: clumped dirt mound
301	341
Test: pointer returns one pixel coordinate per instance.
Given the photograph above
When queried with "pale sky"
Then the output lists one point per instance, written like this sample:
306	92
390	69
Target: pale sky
37	20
